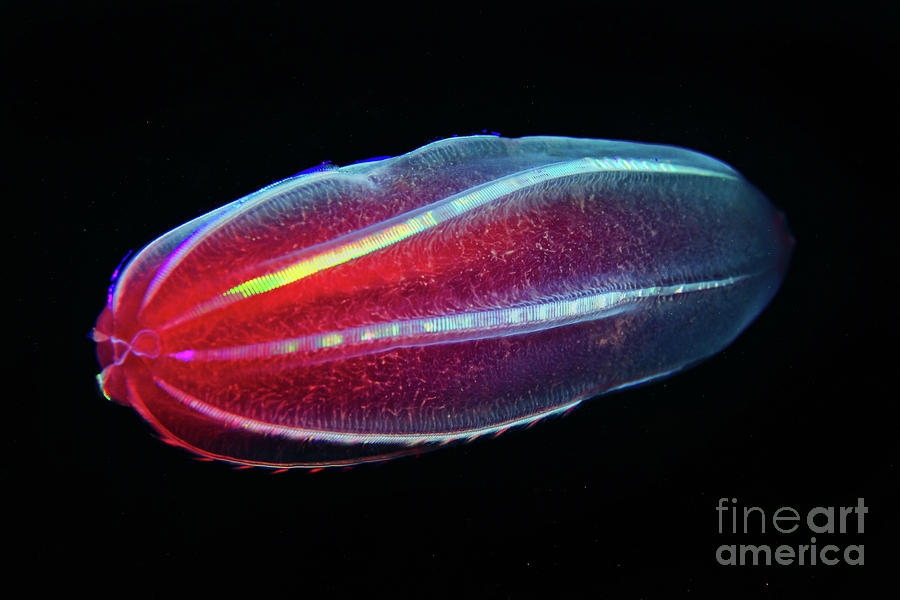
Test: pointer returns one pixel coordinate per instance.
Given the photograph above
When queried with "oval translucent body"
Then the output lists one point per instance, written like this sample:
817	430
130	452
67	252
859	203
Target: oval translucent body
357	313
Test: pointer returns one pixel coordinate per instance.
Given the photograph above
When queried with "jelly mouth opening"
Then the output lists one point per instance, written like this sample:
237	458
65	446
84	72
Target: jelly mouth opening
145	343
112	352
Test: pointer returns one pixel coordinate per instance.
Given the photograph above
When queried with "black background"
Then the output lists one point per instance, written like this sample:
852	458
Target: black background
127	120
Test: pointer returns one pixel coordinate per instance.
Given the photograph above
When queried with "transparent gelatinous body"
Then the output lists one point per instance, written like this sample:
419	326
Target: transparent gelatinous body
477	283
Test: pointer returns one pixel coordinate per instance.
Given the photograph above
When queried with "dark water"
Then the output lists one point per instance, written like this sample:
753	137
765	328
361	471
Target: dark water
128	121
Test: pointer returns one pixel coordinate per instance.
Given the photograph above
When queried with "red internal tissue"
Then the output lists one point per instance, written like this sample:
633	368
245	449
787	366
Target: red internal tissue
360	313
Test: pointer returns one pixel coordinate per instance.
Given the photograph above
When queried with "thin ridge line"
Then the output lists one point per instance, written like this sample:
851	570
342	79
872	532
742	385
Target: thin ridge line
301	433
394	230
515	320
202	233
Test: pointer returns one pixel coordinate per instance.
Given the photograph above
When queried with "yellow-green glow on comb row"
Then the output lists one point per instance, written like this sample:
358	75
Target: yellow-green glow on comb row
449	208
463	326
